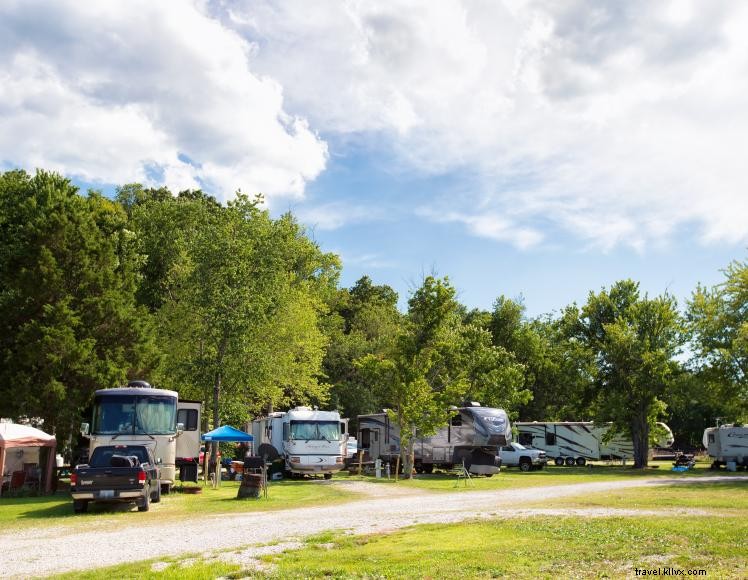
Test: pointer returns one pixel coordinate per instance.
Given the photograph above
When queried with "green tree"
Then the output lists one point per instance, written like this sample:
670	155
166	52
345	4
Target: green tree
718	318
634	340
240	317
436	362
68	274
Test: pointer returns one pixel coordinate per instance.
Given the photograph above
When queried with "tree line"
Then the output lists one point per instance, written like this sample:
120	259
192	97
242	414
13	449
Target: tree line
245	312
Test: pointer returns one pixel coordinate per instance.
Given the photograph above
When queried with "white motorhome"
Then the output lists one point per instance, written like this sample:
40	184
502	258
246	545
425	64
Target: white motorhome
727	443
311	442
577	442
138	414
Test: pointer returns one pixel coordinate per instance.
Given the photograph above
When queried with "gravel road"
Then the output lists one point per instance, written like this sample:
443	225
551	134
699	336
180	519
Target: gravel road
48	550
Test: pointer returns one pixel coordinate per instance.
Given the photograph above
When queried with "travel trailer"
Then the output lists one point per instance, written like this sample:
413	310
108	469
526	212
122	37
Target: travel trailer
472	435
727	444
138	414
577	442
311	442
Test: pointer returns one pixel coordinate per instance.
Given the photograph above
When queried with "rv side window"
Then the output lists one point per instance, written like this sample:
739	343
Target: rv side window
285	432
711	437
188	418
550	438
525	438
457	421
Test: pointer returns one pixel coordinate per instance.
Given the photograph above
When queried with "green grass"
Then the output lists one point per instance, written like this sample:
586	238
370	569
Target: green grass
57	509
530	548
511	478
727	497
176	569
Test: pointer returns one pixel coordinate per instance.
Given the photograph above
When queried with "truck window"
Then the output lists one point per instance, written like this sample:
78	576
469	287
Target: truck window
550	438
188	418
507	448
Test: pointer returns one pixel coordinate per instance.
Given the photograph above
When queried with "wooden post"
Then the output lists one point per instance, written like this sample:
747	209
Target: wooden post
397	467
360	461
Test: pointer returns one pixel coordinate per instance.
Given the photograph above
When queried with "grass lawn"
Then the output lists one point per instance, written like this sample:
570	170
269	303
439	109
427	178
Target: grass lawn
510	478
729	498
536	547
58	509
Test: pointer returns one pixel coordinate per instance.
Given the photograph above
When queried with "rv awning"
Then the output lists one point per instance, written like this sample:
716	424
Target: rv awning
226	433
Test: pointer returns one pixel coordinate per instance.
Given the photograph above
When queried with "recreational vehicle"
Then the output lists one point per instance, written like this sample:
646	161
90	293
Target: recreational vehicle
472	435
577	442
138	414
311	442
727	444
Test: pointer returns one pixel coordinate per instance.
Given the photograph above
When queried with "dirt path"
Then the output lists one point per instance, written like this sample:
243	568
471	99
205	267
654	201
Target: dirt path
43	551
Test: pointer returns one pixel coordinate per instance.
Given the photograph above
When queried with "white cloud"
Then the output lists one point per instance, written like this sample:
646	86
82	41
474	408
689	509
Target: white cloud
619	122
334	215
116	92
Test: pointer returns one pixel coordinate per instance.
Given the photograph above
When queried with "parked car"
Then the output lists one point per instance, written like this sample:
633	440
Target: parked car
526	458
117	473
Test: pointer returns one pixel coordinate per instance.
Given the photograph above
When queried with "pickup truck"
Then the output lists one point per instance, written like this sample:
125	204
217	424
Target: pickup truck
526	458
117	473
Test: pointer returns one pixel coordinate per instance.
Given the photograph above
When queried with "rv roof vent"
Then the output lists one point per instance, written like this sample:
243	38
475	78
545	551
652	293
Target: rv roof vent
471	404
302	408
138	385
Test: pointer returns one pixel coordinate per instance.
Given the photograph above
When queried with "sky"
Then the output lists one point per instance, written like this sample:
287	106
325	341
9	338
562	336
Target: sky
539	150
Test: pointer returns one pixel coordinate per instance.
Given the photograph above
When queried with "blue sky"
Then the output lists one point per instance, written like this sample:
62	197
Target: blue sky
524	148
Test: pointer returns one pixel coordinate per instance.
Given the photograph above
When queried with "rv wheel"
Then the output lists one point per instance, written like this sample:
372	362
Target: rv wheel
328	475
559	461
428	468
581	461
570	462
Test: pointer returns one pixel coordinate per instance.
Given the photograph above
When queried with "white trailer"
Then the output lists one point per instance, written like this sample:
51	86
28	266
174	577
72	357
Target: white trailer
577	442
138	414
727	444
311	442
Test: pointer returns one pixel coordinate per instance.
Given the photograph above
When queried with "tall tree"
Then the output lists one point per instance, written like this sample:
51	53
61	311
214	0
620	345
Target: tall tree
68	273
436	362
635	341
718	318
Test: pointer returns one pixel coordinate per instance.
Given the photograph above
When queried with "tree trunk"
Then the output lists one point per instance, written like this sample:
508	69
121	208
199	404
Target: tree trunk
216	424
409	457
640	439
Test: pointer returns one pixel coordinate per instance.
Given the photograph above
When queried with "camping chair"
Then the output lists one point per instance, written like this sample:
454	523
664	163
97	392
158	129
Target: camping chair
33	473
17	479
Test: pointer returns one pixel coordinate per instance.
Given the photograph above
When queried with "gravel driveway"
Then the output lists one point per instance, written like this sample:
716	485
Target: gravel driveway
48	550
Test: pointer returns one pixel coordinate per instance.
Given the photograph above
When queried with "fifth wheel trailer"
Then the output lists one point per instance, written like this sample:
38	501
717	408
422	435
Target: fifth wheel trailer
577	442
727	444
472	435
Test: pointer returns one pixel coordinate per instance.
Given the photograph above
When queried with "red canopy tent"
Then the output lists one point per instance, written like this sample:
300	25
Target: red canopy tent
19	440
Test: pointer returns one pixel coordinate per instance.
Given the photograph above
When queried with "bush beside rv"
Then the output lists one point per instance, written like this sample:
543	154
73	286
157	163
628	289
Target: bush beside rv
472	437
727	444
311	442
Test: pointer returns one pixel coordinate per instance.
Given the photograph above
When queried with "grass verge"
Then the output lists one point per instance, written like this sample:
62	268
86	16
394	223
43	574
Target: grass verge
530	548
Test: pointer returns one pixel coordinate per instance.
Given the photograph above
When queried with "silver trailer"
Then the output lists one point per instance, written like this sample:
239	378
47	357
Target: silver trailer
727	444
472	435
577	442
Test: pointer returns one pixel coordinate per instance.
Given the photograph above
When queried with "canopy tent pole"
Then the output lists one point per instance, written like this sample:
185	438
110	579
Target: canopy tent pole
2	467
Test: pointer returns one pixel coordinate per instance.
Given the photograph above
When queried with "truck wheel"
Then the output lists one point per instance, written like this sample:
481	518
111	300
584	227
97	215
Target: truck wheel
570	462
145	503
156	495
559	461
80	506
525	465
581	461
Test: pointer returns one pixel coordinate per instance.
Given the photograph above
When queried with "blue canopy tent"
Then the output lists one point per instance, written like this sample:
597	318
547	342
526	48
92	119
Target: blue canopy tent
224	434
227	433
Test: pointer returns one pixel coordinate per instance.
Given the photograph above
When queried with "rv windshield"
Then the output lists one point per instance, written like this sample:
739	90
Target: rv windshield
315	430
131	415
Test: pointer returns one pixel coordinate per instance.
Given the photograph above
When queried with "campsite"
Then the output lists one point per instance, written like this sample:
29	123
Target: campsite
373	290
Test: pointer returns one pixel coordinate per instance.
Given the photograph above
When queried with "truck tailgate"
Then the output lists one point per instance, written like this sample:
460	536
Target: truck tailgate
108	478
